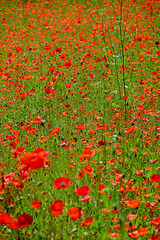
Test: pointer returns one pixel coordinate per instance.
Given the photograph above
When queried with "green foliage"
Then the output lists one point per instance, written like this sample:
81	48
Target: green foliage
79	79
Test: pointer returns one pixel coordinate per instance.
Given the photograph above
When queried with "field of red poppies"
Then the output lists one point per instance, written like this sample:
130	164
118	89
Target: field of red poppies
79	120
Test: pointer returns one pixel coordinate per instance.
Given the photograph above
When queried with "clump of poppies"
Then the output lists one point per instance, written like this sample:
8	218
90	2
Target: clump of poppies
35	160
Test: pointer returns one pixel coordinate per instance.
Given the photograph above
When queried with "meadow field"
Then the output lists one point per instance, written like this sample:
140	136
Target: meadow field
79	119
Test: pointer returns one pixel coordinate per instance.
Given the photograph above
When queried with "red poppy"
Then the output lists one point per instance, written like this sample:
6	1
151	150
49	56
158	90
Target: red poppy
118	176
105	210
68	85
113	235
119	151
155	178
132	203
62	182
47	89
153	161
139	232
36	159
42	139
80	175
87	153
19	151
158	53
87	222
68	64
112	161
131	216
155	237
57	208
58	50
80	126
100	142
51	69
4	218
47	47
101	188
55	131
126	97
75	213
36	204
101	127
82	191
23	221
88	169
85	199
129	130
91	75
155	221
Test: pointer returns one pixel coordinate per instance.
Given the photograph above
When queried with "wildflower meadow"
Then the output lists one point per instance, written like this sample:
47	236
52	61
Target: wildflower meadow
79	119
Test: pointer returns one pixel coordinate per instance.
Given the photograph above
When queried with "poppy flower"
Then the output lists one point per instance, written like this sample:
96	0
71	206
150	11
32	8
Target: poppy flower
87	222
153	161
112	161
85	199
155	221
105	210
88	169
139	232
47	89
131	216
80	126
19	151
155	178
36	204
132	203
47	47
158	53
91	75
119	151
101	188
113	235
75	213
126	97
4	218
57	208
35	160
23	221
62	182
58	50
155	237
118	176
55	131
87	153
42	139
129	130
80	175
100	142
82	191
68	85
101	127
51	69
68	64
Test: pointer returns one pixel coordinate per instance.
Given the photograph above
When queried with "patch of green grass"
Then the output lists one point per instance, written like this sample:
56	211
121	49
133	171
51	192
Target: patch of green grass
79	100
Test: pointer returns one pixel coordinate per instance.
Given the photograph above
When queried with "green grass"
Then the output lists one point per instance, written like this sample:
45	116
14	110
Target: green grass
79	77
